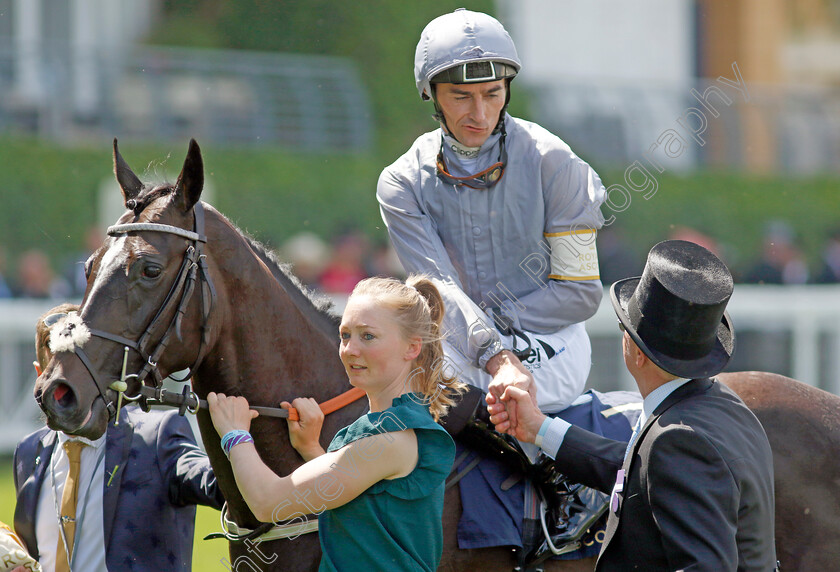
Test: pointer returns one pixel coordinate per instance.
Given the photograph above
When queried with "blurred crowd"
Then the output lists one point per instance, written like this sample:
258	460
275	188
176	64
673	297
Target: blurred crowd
335	266
780	260
36	276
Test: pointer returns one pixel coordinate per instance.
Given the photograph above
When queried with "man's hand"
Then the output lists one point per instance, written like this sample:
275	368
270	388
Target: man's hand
507	371
529	417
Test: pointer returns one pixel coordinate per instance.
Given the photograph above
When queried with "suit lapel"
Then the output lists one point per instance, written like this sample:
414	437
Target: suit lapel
117	449
27	505
43	458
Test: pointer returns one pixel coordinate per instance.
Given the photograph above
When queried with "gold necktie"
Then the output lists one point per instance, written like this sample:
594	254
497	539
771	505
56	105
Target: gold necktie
68	506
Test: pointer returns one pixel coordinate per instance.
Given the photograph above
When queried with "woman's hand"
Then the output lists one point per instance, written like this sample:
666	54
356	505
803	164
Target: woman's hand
305	433
229	413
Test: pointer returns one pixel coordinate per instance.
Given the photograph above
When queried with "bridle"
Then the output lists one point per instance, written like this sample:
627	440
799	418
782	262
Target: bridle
193	268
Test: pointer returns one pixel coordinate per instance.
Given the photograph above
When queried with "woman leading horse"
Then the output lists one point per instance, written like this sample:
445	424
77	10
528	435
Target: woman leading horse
378	489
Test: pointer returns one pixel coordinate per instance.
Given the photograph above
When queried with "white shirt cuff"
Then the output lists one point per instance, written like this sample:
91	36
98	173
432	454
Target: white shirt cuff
554	435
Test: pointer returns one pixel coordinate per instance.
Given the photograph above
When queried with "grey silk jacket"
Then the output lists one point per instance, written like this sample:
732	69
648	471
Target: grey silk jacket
488	248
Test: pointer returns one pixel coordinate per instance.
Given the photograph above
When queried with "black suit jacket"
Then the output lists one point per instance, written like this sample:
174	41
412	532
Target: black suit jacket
149	503
698	487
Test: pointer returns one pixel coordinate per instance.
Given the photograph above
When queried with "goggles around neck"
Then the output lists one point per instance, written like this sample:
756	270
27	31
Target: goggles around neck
483	180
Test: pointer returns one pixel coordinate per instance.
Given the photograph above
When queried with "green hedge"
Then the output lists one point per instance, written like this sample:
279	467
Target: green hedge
733	209
49	193
48	197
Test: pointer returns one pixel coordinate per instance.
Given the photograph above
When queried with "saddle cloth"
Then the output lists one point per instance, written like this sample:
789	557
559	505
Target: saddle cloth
495	517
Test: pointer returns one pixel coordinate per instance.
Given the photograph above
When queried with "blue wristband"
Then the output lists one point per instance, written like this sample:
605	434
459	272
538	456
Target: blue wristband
543	429
234	438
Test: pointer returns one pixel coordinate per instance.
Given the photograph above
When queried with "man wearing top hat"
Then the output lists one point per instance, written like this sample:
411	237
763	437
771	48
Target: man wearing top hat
693	489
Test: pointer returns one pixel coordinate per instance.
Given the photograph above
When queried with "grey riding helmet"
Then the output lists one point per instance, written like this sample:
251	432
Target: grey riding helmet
463	47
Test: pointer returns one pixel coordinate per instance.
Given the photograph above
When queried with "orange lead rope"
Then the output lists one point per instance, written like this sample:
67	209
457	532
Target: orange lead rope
189	401
334	404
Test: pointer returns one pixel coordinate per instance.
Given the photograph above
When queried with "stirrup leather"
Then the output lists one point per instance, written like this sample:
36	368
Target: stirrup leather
565	524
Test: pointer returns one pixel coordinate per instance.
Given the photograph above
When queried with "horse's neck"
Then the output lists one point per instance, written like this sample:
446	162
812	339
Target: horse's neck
269	344
272	344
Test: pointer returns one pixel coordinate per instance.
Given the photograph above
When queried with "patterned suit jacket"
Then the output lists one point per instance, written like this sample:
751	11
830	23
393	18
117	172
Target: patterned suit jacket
697	487
149	501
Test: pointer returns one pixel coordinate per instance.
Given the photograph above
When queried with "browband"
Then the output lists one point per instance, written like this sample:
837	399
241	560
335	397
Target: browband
153	226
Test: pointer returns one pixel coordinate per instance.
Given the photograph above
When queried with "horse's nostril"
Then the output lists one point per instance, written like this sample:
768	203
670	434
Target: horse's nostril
60	391
62	395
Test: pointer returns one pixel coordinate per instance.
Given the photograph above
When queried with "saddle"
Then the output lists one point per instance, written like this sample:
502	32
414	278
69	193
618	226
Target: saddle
566	518
508	500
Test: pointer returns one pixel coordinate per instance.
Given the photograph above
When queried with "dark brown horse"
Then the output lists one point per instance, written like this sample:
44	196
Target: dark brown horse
181	287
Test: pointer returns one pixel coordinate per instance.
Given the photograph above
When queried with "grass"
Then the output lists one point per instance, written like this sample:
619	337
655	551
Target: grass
207	554
7	491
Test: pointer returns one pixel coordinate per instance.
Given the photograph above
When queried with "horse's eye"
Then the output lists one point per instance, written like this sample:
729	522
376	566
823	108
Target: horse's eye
88	267
151	271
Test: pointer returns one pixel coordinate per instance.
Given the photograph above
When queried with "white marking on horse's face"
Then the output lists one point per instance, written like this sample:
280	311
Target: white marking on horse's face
68	333
112	261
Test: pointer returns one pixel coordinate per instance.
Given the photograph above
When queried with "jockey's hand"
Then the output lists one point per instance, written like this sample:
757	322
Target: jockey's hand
229	413
507	371
528	416
305	433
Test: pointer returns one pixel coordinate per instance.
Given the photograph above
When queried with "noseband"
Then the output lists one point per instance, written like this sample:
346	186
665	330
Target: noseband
193	264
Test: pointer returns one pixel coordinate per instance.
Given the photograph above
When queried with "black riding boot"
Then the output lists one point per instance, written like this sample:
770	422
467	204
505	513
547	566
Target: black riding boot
579	509
571	509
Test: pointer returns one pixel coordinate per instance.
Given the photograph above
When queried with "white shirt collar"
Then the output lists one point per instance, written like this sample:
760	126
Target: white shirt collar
658	395
64	437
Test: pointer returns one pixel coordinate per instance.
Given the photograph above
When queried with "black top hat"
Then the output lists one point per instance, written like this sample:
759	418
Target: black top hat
676	311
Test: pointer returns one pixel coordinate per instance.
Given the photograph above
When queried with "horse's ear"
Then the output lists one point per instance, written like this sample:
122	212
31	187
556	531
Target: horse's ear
129	183
191	180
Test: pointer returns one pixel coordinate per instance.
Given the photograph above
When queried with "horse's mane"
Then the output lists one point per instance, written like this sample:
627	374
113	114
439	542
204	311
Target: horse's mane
320	304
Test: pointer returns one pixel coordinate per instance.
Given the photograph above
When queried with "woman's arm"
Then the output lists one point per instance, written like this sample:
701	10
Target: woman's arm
327	481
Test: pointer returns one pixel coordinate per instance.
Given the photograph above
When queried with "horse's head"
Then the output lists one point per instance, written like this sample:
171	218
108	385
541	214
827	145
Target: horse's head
139	300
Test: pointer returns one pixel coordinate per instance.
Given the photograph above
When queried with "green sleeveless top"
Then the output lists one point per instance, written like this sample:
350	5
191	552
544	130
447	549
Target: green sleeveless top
395	524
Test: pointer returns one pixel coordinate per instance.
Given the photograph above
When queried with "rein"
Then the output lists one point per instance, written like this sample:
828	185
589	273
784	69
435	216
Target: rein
188	401
270	530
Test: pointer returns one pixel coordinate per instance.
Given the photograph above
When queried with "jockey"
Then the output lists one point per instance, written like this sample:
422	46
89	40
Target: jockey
504	216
